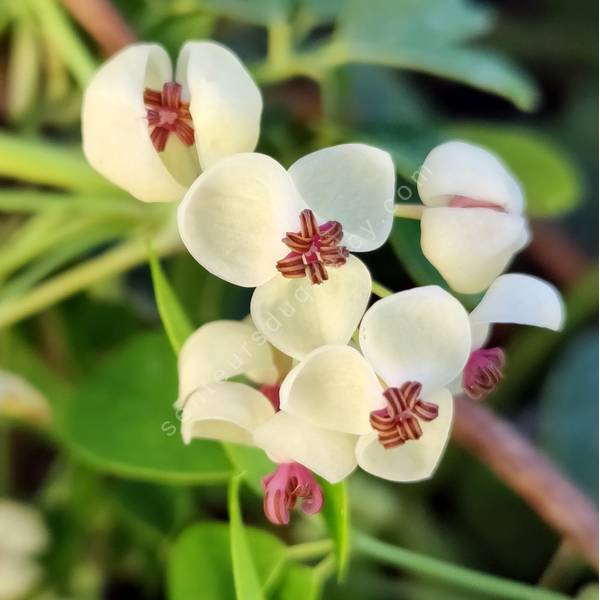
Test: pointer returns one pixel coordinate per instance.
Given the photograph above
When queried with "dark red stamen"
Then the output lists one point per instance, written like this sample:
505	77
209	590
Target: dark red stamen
399	421
167	114
272	394
313	248
483	372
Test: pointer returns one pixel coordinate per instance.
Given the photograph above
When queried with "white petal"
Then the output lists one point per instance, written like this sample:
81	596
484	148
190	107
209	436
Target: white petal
18	575
329	454
470	247
420	335
235	214
223	349
517	298
480	332
229	412
353	184
334	387
23	531
460	169
297	317
225	103
416	459
116	138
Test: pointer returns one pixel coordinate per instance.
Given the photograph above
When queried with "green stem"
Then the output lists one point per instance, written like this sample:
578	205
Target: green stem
380	290
109	264
73	52
37	161
408	211
495	587
309	550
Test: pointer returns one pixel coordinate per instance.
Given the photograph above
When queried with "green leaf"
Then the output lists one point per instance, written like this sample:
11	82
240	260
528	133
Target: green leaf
423	35
199	564
569	412
550	180
337	516
264	12
299	582
122	421
175	321
406	243
251	462
245	574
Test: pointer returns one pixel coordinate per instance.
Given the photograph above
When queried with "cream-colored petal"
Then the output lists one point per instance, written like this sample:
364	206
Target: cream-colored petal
116	138
353	184
234	216
23	530
523	299
18	576
416	459
419	335
470	247
297	317
225	103
329	454
334	387
461	169
480	332
221	350
229	412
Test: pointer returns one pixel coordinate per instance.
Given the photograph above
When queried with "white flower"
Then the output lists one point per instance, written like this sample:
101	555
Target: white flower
472	224
236	412
23	535
512	298
152	132
416	342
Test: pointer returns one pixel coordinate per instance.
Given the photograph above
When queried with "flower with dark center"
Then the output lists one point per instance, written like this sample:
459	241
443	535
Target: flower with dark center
288	484
399	421
313	248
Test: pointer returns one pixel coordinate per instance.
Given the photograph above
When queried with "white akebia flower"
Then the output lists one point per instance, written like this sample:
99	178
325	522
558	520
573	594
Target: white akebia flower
472	224
23	536
512	298
228	411
151	131
249	221
416	342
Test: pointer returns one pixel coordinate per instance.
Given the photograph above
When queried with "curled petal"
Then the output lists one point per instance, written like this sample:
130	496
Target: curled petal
353	184
523	299
116	137
285	439
458	169
420	335
229	412
415	459
470	247
297	317
221	350
334	387
225	103
234	216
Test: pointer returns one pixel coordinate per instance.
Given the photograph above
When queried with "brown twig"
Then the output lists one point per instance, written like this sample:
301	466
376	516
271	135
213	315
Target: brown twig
528	473
103	22
555	254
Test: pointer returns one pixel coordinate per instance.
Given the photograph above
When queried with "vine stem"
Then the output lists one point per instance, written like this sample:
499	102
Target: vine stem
309	550
380	290
408	211
463	577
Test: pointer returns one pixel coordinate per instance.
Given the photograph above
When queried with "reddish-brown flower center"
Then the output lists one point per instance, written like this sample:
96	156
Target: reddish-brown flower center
399	421
483	372
167	114
313	248
272	394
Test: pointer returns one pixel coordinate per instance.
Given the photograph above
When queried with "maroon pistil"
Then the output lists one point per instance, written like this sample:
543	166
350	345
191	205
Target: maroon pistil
313	248
398	422
167	114
483	372
272	394
289	483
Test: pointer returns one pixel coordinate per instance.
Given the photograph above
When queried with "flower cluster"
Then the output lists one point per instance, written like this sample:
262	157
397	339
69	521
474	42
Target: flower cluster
313	377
